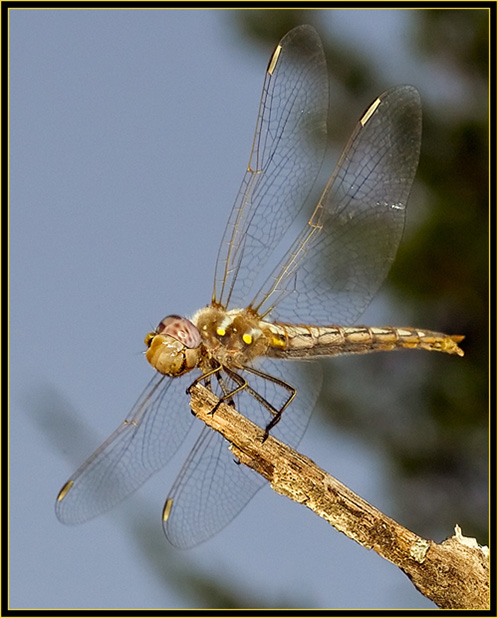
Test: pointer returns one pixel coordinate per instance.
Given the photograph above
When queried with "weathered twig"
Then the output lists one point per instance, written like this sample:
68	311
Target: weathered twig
453	574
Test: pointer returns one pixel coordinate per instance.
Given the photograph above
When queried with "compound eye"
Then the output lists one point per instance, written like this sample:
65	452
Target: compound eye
181	329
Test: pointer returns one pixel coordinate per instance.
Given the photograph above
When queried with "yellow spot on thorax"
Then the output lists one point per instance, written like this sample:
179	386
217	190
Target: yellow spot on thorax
247	338
277	342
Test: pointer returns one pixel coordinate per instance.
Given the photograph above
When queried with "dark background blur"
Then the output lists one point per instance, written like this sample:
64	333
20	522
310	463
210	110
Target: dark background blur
439	455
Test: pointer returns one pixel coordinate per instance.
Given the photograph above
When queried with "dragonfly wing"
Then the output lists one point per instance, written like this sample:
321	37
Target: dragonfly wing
212	488
142	444
286	156
344	253
209	492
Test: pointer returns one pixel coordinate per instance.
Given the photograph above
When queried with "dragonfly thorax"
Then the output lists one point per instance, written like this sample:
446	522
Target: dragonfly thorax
234	338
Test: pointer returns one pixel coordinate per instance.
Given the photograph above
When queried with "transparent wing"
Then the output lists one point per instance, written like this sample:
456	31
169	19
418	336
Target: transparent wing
142	444
212	488
286	156
345	251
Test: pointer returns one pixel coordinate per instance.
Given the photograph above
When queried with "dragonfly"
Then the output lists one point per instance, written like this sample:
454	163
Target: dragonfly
283	294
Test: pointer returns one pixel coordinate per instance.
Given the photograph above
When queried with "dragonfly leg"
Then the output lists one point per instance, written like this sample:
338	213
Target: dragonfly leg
277	414
204	377
242	384
227	396
227	393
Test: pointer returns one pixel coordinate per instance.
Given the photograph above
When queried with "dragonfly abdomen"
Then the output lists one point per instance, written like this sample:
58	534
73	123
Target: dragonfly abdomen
289	341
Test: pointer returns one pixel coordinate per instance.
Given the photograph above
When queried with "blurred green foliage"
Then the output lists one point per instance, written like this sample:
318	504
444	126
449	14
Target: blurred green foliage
427	415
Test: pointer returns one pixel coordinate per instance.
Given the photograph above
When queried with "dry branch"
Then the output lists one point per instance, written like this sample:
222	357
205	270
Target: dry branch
453	574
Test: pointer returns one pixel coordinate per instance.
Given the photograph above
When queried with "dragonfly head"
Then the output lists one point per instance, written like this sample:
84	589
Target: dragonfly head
174	348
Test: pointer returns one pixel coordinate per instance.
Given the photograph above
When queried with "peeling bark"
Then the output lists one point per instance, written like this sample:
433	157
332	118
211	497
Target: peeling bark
453	574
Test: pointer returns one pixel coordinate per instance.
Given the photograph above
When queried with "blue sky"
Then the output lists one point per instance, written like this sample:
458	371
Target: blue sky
130	131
